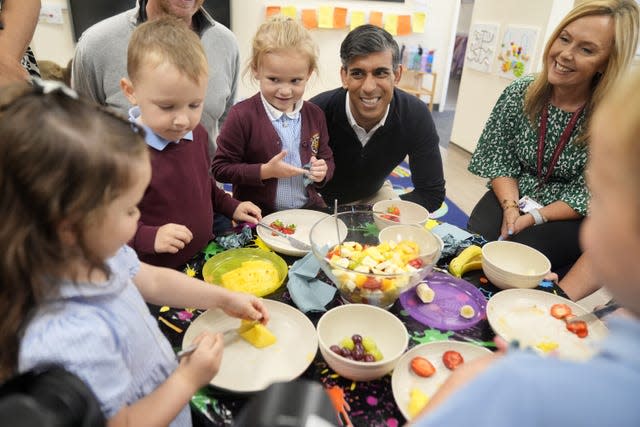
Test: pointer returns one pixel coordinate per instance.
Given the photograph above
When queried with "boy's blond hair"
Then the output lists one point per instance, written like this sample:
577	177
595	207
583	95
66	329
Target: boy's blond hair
279	33
166	39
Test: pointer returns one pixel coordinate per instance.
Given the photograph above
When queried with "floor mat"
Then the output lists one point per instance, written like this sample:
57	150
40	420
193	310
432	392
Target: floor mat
450	213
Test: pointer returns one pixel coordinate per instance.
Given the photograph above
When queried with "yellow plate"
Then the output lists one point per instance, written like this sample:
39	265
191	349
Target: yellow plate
233	259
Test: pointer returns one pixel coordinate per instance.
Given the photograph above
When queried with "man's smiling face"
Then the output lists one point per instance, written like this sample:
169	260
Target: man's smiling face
370	80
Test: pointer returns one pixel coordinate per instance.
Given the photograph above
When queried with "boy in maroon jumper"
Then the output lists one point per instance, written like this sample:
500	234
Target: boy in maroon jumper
167	83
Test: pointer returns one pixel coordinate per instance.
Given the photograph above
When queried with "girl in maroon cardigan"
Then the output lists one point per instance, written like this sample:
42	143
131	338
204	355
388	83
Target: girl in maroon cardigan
273	147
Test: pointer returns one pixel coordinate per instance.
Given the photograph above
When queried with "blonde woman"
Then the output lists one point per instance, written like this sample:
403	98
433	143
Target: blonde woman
535	143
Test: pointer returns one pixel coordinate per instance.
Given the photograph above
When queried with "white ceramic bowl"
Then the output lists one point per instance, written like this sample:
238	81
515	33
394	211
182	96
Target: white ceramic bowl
430	244
410	213
387	331
513	265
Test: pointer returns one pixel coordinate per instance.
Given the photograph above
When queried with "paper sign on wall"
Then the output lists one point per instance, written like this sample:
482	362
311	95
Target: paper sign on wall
309	19
419	19
325	19
272	10
290	11
404	25
357	19
391	23
375	18
516	51
339	17
481	47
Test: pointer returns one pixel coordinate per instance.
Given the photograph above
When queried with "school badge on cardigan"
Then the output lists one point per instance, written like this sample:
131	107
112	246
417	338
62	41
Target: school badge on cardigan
315	143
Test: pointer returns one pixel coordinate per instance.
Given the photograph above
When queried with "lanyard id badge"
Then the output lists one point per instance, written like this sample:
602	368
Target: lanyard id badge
562	142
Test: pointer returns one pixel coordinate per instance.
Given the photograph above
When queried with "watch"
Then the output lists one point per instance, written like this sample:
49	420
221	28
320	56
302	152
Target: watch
538	218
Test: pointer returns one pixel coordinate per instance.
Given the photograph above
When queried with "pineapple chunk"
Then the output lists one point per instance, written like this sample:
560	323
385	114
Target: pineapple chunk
417	401
258	335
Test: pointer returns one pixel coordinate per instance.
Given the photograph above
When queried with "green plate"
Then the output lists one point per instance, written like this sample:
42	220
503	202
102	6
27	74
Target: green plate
232	259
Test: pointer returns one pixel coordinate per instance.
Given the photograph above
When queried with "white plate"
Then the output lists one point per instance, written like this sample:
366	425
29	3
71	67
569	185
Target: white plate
245	368
524	315
404	379
304	219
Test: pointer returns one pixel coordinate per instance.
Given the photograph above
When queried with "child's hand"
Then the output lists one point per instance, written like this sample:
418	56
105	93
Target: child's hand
278	168
245	306
247	212
171	238
203	364
318	169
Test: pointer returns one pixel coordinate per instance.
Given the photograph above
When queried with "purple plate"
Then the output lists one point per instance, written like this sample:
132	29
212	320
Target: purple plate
444	311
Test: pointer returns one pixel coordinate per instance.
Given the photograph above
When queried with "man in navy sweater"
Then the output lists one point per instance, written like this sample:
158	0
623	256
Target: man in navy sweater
373	126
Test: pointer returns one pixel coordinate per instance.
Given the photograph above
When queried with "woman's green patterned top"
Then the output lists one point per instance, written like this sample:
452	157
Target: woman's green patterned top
508	147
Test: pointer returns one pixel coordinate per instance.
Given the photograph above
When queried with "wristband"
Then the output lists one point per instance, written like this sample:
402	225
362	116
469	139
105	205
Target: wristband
538	218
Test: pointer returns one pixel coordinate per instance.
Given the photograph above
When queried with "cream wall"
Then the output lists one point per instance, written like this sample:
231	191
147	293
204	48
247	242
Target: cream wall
246	16
52	41
479	91
55	42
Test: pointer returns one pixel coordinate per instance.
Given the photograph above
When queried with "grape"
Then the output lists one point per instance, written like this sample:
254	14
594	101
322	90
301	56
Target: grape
369	358
356	338
336	349
357	353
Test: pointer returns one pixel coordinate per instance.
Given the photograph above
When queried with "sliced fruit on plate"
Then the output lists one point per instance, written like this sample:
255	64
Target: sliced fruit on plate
251	276
417	401
422	367
452	359
258	335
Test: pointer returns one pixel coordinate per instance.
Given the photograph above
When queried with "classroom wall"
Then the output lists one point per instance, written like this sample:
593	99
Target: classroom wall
55	42
246	16
478	90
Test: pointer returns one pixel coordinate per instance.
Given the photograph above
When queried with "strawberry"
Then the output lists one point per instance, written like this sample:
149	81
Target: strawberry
393	210
422	367
452	359
560	311
579	328
416	263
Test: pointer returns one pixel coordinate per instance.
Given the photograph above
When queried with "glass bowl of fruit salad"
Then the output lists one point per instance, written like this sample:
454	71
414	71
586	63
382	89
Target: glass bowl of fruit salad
361	342
364	268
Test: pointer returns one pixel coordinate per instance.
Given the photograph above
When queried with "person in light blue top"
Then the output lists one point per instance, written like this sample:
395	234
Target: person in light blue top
524	389
72	293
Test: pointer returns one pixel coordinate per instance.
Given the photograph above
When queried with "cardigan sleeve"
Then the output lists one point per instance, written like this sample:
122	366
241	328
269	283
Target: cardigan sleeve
229	163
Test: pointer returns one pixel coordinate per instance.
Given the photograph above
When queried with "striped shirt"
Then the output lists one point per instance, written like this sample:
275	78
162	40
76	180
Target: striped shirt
105	335
291	192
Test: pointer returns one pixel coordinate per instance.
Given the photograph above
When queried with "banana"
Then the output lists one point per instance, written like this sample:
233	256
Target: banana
473	265
469	259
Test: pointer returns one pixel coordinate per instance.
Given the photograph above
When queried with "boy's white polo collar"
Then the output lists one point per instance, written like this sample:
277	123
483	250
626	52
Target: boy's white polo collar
151	138
275	114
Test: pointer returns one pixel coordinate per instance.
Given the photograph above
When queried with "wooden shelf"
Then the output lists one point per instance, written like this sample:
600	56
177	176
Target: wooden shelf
412	82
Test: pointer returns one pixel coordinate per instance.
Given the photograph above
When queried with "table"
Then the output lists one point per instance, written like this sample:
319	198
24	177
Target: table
371	403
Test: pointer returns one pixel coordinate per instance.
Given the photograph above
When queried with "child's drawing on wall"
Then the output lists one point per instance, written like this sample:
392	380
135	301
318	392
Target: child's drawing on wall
516	51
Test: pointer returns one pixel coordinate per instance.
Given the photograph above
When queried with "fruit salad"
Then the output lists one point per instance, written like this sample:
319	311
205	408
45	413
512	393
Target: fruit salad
374	272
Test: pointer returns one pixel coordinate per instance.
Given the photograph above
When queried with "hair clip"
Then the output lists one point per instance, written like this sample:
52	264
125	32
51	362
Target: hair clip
49	86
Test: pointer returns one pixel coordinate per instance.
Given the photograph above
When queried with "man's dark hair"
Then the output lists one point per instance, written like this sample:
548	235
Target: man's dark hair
365	40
